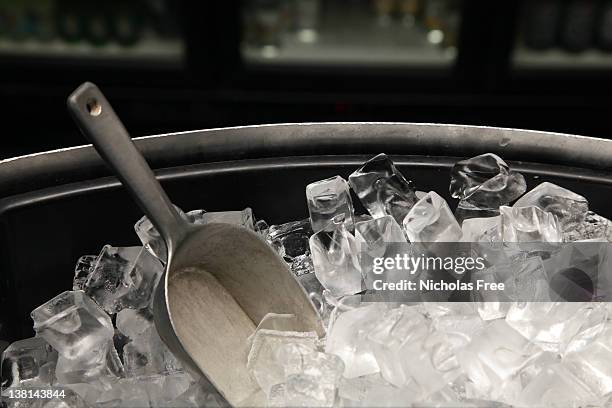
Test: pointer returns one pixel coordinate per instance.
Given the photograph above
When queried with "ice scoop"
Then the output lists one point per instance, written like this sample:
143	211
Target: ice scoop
220	280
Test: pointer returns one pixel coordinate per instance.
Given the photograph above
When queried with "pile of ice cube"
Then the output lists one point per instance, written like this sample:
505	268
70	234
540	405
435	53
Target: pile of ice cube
481	353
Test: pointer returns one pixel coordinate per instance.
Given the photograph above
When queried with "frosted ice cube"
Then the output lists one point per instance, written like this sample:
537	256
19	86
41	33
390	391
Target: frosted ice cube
569	207
431	220
123	277
348	339
290	239
327	200
486	182
593	363
242	218
302	265
73	324
556	386
594	226
431	361
82	271
303	390
382	189
29	362
529	224
396	328
264	361
335	260
496	353
550	325
311	376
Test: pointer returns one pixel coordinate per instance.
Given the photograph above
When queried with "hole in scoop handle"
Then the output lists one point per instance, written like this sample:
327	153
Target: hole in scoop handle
101	126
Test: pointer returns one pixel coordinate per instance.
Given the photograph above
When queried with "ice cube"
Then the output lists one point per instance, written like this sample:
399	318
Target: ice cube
335	260
380	237
198	395
486	182
556	386
529	224
145	353
73	324
29	362
264	360
431	361
242	218
376	234
395	329
82	271
99	363
290	239
594	226
150	238
302	265
466	210
569	207
496	353
593	363
382	189
328	199
303	390
314	289
551	325
123	277
485	229
348	339
431	220
311	376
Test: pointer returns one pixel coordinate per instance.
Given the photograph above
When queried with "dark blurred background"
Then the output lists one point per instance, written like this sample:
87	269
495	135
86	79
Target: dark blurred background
177	65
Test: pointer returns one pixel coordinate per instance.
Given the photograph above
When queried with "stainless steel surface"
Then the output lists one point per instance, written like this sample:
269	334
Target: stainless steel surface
81	163
220	279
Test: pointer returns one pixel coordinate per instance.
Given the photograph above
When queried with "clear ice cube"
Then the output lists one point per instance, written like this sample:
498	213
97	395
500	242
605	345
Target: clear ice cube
73	324
382	189
529	224
431	220
290	239
486	182
150	238
335	260
145	353
29	362
327	200
101	363
569	207
123	277
377	238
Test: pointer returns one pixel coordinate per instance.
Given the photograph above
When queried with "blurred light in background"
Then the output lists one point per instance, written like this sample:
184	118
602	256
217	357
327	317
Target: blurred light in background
362	32
105	29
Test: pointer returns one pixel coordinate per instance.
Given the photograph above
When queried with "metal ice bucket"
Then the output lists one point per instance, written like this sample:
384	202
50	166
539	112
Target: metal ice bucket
59	205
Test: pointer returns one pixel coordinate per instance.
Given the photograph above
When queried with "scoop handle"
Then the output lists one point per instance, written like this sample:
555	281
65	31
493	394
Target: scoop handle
98	122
